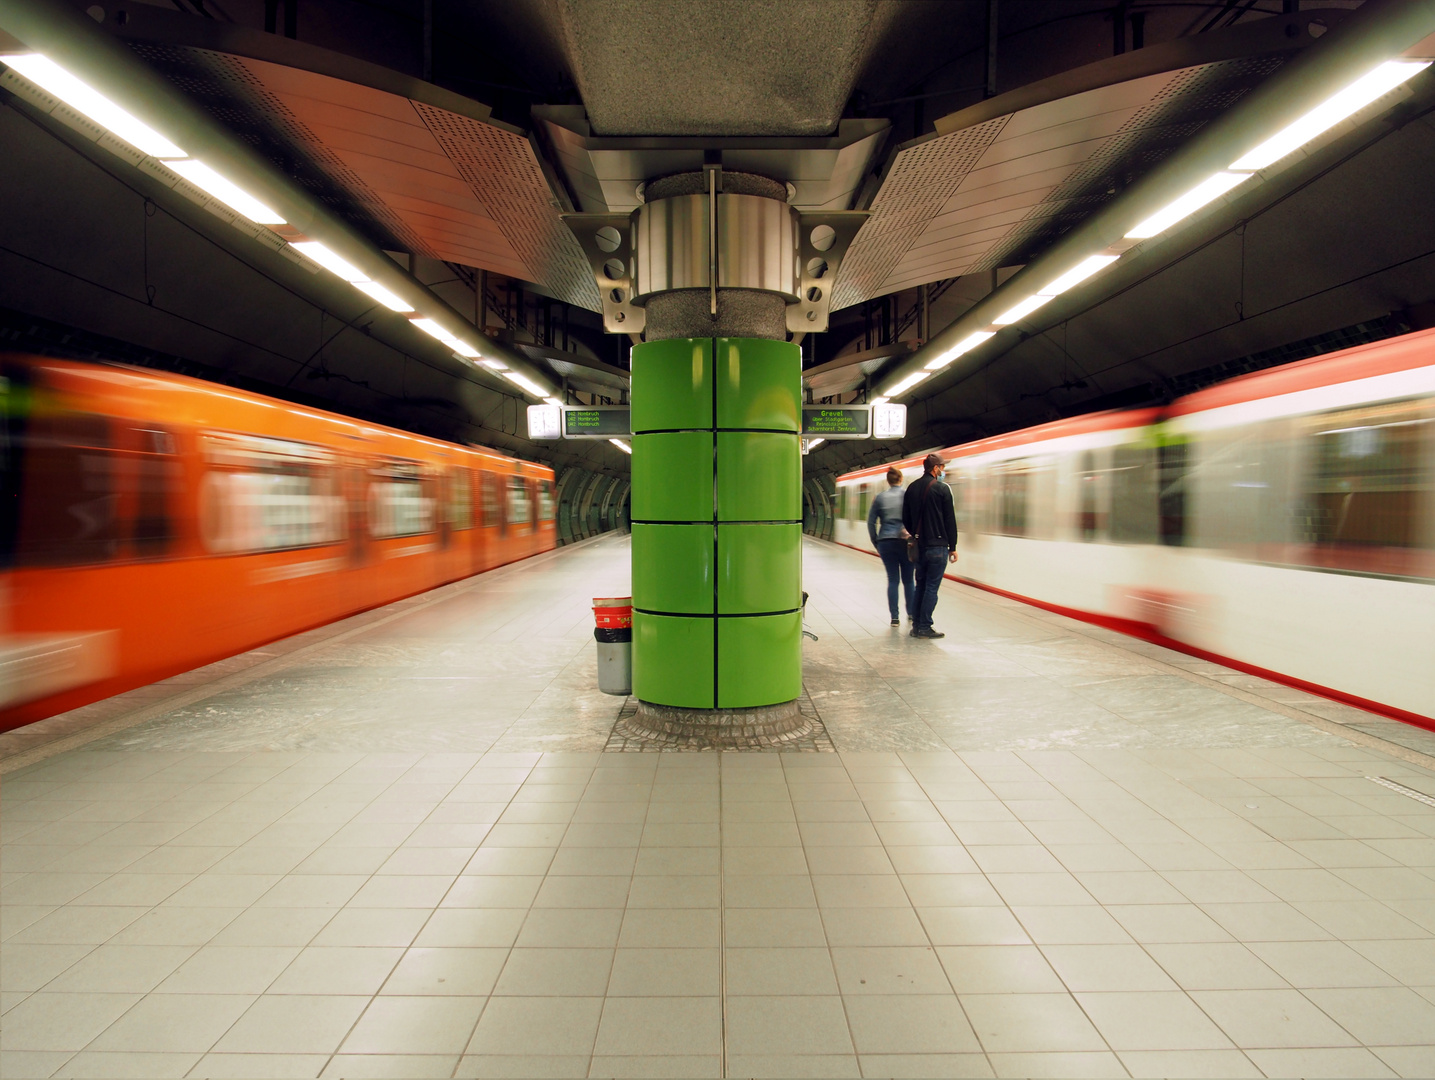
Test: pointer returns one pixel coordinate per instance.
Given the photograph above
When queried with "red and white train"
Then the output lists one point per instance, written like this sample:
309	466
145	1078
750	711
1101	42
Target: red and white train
1282	523
151	523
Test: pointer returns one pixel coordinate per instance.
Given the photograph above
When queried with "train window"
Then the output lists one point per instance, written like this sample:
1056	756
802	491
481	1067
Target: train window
9	467
864	501
1367	490
69	498
398	505
842	499
492	506
1171	495
1011	480
265	494
460	499
519	505
1239	485
1133	495
155	475
1091	509
545	500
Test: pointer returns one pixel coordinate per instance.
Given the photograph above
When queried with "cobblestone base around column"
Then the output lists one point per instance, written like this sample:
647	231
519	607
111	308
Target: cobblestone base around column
793	725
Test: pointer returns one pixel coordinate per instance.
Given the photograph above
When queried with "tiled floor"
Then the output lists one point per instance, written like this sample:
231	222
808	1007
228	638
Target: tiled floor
396	848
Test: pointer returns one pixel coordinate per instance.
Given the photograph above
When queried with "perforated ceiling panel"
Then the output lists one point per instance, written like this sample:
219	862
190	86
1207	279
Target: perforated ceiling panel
410	176
921	180
1000	192
500	168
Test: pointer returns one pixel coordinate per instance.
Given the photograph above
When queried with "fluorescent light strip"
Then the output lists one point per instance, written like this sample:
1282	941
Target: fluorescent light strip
1021	309
85	99
1078	273
621	445
230	194
879	400
382	295
553	401
966	345
527	383
433	329
1369	87
907	383
331	262
494	365
1207	191
813	444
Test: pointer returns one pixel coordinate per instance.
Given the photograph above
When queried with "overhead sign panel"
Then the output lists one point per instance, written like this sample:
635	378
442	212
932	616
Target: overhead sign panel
599	422
837	421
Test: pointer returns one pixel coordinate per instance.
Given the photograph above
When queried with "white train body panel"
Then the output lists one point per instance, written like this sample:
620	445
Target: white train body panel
1284	521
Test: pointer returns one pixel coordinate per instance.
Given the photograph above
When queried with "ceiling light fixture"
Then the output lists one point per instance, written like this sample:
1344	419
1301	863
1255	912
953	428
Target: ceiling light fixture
966	345
494	365
621	445
528	384
1204	193
907	383
230	194
434	330
382	295
1021	309
1369	87
1079	273
85	99
813	444
330	261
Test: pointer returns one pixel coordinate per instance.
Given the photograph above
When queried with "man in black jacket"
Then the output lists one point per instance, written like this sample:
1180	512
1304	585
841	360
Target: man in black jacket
928	514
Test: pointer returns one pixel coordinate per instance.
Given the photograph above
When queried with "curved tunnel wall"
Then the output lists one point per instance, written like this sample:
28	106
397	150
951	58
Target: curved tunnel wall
590	503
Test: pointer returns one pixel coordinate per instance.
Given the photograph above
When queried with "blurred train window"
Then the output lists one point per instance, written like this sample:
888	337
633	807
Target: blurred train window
492	505
154	472
545	500
1367	490
69	498
398	505
1133	495
1239	482
1011	481
1171	496
1091	509
519	507
266	494
843	497
9	468
864	501
460	499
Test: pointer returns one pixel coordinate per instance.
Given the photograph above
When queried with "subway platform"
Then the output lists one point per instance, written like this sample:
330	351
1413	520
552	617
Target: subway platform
410	844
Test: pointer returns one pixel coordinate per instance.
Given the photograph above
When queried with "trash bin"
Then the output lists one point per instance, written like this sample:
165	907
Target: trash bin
614	637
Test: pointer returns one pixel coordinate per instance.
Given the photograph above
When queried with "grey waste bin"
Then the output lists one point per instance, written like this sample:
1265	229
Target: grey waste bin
615	660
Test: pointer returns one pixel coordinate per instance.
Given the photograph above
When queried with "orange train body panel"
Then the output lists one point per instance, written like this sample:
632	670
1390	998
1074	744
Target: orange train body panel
154	523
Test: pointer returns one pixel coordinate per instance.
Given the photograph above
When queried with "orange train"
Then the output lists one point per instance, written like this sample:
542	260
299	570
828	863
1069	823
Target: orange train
152	523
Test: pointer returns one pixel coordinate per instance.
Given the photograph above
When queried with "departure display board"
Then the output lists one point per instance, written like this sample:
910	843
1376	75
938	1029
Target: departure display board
837	421
601	422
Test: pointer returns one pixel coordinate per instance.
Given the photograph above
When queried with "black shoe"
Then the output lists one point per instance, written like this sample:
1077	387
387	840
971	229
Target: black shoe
896	622
928	633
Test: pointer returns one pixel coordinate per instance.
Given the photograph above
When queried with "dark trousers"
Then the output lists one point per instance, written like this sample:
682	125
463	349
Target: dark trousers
930	565
894	557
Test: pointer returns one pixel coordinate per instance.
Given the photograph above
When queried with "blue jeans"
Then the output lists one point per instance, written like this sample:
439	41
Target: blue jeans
930	566
894	557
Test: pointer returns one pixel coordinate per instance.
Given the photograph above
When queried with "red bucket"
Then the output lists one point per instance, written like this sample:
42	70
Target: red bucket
613	612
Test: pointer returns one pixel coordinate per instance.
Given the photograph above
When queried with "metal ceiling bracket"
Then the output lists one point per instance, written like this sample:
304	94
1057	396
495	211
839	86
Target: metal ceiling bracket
822	240
607	241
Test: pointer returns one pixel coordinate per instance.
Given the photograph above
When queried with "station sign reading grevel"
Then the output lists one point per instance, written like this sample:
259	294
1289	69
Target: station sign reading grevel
884	421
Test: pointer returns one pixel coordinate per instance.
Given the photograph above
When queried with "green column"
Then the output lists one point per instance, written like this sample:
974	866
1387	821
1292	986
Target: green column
717	522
